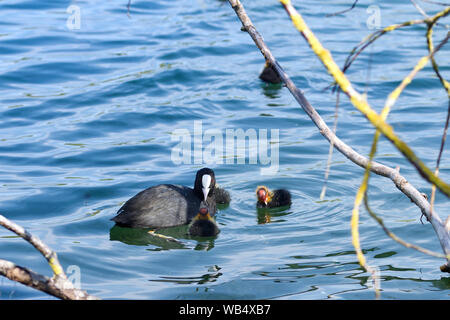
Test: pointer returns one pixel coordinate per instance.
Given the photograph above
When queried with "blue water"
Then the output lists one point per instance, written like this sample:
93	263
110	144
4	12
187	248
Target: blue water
87	117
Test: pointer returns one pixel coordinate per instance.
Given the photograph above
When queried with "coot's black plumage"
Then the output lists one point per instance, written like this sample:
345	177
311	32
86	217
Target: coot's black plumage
203	225
272	199
169	205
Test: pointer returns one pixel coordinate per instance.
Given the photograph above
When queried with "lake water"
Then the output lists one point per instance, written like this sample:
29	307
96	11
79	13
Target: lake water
88	112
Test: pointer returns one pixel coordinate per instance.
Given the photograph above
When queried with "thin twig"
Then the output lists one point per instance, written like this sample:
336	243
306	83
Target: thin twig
362	191
446	87
128	8
400	182
422	12
438	161
357	50
48	254
438	3
395	237
343	11
359	102
330	150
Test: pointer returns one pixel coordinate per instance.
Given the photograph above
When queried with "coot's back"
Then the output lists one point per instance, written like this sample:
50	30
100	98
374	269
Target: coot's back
164	205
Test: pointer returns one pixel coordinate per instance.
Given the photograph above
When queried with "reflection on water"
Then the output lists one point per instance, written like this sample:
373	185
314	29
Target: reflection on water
161	238
142	237
212	276
271	90
267	215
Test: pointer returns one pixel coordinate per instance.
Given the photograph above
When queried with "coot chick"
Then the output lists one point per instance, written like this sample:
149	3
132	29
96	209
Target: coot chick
203	225
168	205
272	199
222	195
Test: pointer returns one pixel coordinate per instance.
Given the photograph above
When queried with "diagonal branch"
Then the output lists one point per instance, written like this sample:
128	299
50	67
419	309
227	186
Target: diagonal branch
50	255
343	11
358	101
446	87
362	191
400	182
42	283
58	286
377	34
394	236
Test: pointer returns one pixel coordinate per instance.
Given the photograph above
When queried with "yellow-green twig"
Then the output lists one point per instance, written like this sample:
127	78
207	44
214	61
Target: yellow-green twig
392	98
395	237
446	86
377	34
358	101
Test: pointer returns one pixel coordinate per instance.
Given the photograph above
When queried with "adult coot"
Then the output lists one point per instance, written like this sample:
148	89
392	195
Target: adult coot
203	225
169	205
272	199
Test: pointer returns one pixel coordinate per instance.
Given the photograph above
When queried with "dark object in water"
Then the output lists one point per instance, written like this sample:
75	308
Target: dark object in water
272	199
168	205
269	74
222	196
203	225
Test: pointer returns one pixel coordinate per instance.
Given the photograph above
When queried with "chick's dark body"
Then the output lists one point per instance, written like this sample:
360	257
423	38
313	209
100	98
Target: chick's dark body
279	198
203	228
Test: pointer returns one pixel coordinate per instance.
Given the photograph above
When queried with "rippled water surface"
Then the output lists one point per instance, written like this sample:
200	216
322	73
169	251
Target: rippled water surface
86	122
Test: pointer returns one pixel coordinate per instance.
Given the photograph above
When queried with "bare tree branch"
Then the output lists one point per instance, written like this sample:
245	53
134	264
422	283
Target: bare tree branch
395	237
446	87
128	8
64	290
400	182
330	150
343	11
438	3
58	286
357	50
38	244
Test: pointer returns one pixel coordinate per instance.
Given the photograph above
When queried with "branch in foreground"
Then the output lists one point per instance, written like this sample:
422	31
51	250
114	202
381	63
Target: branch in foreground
343	11
377	120
358	101
48	254
362	191
58	286
377	34
446	87
64	290
400	182
393	236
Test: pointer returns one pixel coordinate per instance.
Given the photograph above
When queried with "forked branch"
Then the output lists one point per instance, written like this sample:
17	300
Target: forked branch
58	286
400	182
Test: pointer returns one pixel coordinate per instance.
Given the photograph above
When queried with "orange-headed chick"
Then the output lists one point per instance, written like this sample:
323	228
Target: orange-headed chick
272	199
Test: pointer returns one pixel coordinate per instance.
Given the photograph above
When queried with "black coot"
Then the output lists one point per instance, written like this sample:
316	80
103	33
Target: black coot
169	205
272	199
203	225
